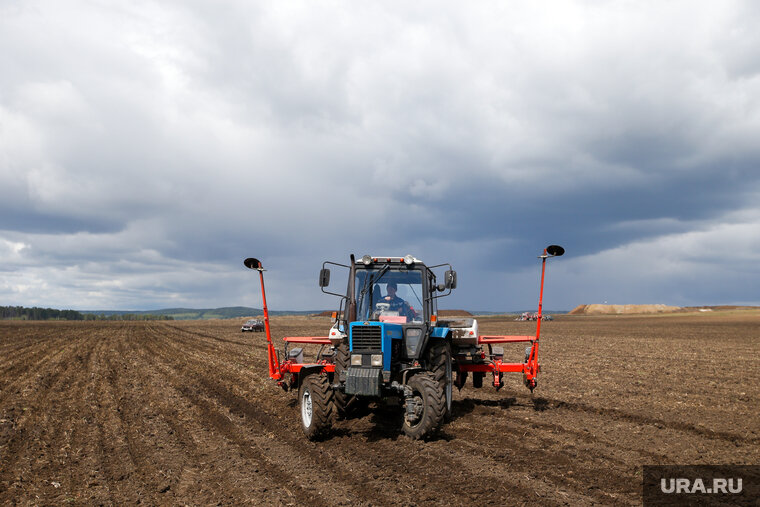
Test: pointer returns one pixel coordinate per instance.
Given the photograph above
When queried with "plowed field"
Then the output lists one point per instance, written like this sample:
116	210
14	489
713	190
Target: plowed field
183	413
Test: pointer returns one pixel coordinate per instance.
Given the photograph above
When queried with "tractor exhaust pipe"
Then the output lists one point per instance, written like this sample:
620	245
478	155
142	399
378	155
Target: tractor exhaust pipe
274	364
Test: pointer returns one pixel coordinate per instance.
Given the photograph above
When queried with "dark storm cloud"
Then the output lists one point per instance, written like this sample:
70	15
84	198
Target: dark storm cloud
144	157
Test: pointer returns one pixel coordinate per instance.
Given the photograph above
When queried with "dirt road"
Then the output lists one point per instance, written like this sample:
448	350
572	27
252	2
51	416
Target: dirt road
182	413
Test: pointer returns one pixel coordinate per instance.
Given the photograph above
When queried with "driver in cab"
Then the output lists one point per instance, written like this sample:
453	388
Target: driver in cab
396	303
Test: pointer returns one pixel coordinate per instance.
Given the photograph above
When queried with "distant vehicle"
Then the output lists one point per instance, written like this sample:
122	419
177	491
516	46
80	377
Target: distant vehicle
527	316
253	325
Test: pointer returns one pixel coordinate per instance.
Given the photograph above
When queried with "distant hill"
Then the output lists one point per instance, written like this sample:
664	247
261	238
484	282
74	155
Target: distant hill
229	312
237	312
454	313
186	313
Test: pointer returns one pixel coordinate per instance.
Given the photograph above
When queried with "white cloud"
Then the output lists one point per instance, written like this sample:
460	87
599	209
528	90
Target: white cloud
172	138
714	263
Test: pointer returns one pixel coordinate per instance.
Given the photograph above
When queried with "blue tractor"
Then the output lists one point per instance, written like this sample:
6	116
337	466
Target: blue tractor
387	344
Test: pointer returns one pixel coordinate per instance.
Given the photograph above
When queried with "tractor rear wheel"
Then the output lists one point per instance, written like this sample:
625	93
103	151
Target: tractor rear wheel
438	360
317	406
424	409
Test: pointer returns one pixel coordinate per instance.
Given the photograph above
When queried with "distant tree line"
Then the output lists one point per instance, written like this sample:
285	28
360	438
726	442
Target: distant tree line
34	313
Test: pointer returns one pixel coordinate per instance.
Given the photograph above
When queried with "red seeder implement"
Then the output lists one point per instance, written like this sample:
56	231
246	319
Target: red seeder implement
530	366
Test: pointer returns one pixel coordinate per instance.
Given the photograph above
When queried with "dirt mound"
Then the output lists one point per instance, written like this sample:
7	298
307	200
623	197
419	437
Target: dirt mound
622	309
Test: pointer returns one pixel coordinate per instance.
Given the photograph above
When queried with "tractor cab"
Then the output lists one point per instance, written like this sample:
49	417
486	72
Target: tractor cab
398	290
391	294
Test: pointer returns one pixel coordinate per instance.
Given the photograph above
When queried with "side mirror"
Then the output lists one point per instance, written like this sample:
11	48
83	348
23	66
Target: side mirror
450	279
324	277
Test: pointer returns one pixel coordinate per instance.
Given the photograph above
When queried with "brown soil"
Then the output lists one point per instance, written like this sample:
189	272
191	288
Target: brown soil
177	413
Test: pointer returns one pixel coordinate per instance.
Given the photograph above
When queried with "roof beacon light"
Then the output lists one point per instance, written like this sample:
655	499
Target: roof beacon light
409	259
367	260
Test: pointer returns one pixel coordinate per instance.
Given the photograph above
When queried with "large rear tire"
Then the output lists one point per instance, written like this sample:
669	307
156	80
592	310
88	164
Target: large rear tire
317	406
429	407
438	360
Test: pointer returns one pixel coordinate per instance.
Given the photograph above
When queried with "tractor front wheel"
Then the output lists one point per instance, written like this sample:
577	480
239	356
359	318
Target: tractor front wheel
424	408
317	406
438	361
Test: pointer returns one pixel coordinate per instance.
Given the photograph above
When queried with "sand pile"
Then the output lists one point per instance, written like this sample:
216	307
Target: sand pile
622	309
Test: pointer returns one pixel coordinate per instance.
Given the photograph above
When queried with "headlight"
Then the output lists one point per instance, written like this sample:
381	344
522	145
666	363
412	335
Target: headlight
356	359
376	360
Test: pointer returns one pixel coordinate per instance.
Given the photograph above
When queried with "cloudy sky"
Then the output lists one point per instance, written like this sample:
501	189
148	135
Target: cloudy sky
147	148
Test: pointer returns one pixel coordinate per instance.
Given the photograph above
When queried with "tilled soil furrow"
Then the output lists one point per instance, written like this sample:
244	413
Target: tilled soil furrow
197	343
184	413
296	442
512	475
70	430
163	437
45	359
97	484
23	359
408	475
570	464
507	417
296	445
617	414
16	351
202	348
244	363
133	426
206	335
587	437
36	430
121	472
543	455
264	461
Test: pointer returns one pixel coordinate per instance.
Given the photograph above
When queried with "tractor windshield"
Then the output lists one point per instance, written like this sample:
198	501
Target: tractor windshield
389	295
